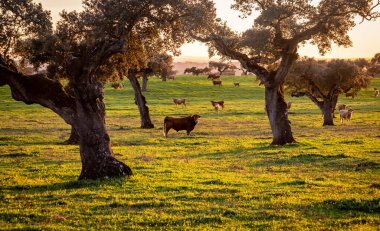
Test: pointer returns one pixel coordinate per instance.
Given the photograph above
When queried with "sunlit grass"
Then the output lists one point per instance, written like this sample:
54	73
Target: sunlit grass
223	176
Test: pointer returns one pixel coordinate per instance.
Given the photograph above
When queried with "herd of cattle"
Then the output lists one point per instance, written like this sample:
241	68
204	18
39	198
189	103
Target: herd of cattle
188	123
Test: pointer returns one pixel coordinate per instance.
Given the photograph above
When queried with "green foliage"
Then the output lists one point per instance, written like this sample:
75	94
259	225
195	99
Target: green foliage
320	78
224	176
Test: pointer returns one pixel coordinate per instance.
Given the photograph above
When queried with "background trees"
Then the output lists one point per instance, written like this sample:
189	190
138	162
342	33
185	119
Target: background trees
274	39
76	50
197	71
324	81
221	67
374	67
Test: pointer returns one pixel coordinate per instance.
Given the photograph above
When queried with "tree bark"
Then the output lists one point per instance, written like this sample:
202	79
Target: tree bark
145	82
95	149
140	101
164	74
74	137
276	108
328	112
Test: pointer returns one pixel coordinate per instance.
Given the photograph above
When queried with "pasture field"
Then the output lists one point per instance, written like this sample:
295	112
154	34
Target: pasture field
225	175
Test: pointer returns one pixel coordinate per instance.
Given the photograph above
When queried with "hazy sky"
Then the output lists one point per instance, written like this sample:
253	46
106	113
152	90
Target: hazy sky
365	36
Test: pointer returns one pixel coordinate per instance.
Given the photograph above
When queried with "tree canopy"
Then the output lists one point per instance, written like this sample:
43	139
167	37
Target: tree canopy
197	71
221	67
323	82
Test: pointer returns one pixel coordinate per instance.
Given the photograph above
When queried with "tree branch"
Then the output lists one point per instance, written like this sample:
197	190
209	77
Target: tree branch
40	90
244	60
310	96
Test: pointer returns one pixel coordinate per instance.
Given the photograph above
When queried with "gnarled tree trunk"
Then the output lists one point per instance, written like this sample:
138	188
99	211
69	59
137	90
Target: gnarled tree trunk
140	101
96	154
276	108
328	112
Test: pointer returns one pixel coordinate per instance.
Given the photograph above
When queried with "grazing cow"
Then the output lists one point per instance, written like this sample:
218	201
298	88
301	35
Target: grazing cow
213	76
288	105
117	85
376	93
352	95
346	115
179	102
217	82
217	105
186	123
342	107
237	84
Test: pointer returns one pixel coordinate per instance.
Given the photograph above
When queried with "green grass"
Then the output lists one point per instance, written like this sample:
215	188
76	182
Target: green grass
224	176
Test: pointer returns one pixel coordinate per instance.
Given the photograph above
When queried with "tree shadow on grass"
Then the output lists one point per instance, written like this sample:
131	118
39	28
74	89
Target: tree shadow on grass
367	206
67	185
303	159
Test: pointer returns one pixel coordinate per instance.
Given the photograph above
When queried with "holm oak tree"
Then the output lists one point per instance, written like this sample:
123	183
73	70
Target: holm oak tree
81	43
276	34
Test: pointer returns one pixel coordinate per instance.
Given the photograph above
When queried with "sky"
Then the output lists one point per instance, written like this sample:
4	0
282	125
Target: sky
365	36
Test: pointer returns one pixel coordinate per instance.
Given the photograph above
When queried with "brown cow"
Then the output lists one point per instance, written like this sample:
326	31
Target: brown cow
350	94
186	123
237	84
179	102
217	82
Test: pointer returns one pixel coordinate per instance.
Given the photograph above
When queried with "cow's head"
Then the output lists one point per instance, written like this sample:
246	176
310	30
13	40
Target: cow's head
195	117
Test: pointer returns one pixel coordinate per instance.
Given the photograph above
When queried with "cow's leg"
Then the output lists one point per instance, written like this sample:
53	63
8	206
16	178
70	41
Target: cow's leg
166	130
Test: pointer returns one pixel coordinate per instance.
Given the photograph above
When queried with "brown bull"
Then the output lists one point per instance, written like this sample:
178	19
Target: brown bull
186	123
217	82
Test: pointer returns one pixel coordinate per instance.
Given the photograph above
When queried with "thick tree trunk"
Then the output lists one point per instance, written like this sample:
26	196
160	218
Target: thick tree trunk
328	112
145	82
96	153
164	75
276	108
74	137
140	101
95	148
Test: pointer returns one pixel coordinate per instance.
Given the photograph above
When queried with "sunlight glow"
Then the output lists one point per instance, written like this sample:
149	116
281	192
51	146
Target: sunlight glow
365	36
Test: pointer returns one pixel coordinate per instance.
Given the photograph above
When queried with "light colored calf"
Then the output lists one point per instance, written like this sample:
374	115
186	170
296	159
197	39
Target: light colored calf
179	102
346	115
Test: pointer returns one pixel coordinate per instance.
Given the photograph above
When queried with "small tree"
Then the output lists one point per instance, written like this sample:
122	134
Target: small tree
221	66
322	82
197	71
